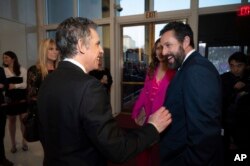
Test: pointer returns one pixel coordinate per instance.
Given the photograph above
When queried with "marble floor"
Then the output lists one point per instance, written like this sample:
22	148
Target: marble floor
32	157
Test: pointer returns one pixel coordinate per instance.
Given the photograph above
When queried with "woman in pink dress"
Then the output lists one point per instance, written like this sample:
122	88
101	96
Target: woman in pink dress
151	98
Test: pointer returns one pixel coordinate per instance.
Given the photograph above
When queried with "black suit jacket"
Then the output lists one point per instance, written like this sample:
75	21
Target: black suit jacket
194	99
76	123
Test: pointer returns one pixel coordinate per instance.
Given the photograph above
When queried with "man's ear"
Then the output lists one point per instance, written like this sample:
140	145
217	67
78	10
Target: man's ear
186	41
81	47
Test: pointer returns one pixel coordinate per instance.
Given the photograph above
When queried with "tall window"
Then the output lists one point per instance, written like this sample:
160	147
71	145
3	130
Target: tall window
170	5
130	7
219	56
209	3
104	34
94	9
58	10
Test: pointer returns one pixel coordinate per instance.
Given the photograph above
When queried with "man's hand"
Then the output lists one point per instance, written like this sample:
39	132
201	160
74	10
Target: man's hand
140	119
1	86
239	85
11	86
160	119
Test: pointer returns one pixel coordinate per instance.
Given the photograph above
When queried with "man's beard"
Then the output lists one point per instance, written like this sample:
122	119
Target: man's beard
178	59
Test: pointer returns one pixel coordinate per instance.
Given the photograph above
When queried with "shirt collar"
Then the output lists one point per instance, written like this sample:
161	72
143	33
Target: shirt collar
76	63
188	54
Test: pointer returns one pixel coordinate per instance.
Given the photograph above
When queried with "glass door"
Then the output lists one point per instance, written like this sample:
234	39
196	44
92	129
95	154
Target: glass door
137	44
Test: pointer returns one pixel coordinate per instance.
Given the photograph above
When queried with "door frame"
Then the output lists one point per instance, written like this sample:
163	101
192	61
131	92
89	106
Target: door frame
118	45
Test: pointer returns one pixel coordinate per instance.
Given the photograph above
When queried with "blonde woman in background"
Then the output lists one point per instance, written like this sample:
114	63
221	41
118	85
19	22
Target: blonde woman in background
48	58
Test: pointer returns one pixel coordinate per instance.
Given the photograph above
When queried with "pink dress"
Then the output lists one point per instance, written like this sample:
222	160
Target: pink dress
151	99
152	95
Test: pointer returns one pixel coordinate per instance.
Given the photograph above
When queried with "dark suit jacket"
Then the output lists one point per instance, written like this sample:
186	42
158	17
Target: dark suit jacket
76	123
194	99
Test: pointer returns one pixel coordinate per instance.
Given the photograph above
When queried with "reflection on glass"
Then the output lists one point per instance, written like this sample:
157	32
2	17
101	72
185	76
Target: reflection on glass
219	56
202	48
59	10
158	28
104	34
134	57
130	92
206	3
94	9
170	5
134	37
51	34
129	7
135	63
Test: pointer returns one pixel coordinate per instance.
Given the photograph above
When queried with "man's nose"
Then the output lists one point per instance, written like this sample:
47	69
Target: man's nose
164	51
101	51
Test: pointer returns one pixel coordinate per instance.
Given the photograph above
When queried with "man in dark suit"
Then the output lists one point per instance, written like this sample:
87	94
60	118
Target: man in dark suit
3	160
75	117
194	100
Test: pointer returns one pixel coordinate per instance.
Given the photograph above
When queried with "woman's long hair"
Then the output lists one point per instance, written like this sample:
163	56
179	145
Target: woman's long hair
155	62
16	65
42	56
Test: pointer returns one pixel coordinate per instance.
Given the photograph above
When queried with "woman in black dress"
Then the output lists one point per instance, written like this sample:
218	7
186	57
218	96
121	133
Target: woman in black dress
15	95
46	63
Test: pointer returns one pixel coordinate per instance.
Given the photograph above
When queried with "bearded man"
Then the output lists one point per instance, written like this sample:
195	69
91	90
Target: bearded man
194	100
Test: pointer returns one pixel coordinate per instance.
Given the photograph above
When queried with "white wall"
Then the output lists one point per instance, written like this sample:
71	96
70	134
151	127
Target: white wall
18	31
13	38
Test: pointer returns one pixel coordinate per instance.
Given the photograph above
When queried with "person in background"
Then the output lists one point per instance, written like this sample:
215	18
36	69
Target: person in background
104	76
236	81
151	98
235	86
16	94
48	58
109	79
75	118
194	100
3	160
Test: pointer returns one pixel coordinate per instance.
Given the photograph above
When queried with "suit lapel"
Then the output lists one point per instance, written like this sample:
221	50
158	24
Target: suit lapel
177	76
187	61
